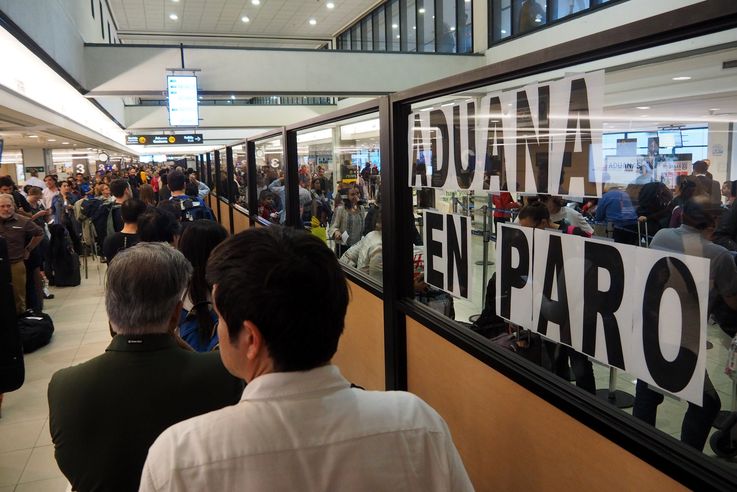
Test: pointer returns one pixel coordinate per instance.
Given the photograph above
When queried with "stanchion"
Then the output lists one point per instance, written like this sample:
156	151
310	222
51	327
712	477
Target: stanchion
485	262
616	397
725	414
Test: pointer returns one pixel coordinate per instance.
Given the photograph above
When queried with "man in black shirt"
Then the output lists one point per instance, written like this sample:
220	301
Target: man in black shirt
128	235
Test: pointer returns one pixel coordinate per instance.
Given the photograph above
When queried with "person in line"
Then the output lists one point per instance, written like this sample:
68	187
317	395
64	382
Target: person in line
146	195
692	238
21	236
50	190
365	255
705	185
190	208
160	225
35	181
121	190
35	263
537	216
348	219
299	422
559	213
198	321
127	237
105	413
7	186
202	189
725	233
615	207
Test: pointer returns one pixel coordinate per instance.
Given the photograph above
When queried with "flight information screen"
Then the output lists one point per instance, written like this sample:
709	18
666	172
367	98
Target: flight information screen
183	107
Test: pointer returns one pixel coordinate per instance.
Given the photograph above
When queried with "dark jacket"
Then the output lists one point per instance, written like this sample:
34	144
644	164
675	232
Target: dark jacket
105	414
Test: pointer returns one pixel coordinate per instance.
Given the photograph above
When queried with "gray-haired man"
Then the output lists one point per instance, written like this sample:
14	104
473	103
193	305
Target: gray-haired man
104	414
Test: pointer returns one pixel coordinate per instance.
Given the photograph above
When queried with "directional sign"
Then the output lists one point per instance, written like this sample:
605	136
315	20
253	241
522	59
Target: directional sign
188	139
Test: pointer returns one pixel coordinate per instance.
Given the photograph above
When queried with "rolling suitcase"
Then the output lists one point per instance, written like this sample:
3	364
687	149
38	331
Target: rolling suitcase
12	369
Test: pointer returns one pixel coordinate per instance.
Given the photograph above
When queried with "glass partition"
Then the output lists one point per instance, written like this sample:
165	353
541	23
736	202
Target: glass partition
270	178
626	157
240	175
223	185
339	179
211	172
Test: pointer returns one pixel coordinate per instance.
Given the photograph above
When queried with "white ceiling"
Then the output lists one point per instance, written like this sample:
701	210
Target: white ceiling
279	18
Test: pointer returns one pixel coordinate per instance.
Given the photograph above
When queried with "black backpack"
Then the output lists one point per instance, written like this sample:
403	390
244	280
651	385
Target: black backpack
35	330
191	209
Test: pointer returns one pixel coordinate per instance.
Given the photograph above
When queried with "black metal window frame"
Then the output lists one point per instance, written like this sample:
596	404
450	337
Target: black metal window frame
346	42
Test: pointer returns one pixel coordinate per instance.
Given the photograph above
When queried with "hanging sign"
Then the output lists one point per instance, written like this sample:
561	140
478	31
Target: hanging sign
543	138
638	309
447	253
179	139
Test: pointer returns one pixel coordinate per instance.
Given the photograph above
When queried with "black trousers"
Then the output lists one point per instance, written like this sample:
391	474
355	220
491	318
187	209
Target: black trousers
696	422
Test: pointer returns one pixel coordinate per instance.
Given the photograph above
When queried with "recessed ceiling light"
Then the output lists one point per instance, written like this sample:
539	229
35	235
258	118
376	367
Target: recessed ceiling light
312	22
714	109
175	1
643	116
32	136
414	27
452	28
51	140
395	26
255	2
245	19
643	107
232	97
422	11
398	36
65	143
538	18
173	16
504	31
682	78
330	5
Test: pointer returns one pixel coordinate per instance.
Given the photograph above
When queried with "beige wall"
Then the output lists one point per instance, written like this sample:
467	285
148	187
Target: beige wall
509	438
361	350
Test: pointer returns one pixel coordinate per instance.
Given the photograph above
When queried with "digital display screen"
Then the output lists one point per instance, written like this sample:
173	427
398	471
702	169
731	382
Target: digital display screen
670	138
183	107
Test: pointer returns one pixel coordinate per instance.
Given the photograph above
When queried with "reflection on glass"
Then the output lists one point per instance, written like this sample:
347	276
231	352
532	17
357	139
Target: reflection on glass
367	34
426	25
223	186
564	8
356	38
339	180
380	30
465	25
654	160
270	180
446	42
393	42
530	15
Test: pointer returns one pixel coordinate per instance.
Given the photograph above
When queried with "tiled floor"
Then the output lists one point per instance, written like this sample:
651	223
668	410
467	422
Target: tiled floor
81	332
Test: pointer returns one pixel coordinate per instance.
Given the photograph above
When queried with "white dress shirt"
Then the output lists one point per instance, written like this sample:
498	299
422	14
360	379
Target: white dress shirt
573	217
309	431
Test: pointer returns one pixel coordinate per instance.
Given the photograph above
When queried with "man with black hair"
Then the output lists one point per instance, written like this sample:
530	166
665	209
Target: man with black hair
705	184
299	425
692	238
22	207
128	236
190	207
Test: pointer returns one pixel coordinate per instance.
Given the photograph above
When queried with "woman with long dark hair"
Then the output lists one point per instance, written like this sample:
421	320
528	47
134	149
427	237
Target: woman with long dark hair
197	324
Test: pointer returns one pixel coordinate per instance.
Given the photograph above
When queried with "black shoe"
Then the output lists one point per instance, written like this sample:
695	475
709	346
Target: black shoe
48	296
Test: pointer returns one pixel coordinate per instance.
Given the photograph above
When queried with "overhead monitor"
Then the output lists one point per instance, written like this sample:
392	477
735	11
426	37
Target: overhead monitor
183	107
670	137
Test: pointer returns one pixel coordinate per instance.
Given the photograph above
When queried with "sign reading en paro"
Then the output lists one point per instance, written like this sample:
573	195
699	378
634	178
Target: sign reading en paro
638	309
448	253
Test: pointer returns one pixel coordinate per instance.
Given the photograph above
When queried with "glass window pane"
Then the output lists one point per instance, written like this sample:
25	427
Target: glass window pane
356	38
647	146
340	164
270	180
347	40
409	26
223	187
380	30
529	15
367	34
393	43
564	8
465	24
446	19
426	25
501	19
240	175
